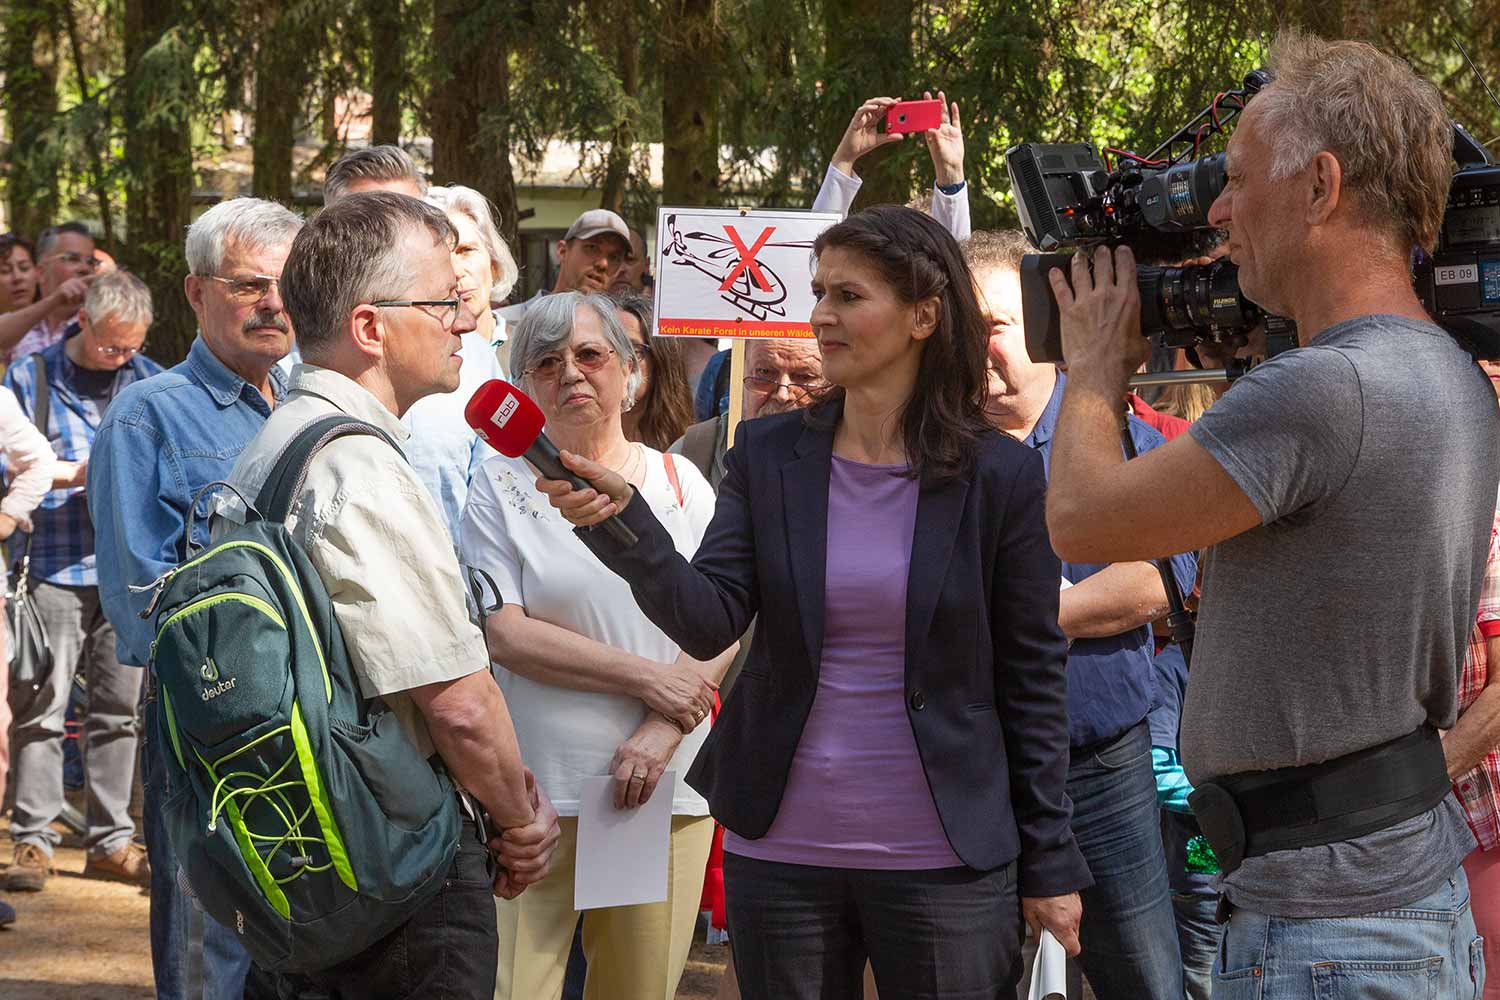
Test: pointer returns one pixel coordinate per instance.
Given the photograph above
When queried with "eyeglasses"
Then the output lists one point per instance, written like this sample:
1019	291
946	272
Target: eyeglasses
120	352
586	359
642	351
247	290
448	308
75	259
765	385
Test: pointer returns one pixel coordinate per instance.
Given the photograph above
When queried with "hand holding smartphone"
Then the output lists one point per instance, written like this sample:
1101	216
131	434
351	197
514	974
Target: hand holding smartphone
913	116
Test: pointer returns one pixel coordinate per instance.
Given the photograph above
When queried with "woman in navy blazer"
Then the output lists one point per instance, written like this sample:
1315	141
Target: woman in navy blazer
890	765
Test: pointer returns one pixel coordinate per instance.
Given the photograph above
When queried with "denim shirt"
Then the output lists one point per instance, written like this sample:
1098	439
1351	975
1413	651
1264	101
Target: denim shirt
162	441
1111	680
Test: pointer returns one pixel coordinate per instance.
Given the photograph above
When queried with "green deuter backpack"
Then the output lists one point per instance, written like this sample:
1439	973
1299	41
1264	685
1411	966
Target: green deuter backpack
303	816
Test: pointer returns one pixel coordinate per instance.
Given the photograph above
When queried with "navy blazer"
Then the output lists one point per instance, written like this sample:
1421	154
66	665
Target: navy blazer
986	690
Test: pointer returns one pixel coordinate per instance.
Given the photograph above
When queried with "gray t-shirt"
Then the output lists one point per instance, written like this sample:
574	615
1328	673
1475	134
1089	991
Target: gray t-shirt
1341	621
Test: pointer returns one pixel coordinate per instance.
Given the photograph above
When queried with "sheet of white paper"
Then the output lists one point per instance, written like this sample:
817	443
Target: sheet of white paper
622	853
1049	973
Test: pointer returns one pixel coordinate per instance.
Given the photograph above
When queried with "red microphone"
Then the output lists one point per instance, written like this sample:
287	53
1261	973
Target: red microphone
510	422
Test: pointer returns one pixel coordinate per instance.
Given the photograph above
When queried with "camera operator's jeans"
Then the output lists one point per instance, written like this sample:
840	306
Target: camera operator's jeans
1427	948
192	956
1129	933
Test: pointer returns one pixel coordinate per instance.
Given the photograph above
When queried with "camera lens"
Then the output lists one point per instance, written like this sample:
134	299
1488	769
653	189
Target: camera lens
1185	303
1179	197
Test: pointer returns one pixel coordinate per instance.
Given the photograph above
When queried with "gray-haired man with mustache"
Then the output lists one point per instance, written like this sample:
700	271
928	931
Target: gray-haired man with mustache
162	440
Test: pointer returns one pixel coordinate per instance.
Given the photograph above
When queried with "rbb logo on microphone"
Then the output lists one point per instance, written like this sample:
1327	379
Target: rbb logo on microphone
508	407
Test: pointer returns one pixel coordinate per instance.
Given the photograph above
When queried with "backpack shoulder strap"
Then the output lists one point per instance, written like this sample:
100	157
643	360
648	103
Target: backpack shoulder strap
43	415
284	484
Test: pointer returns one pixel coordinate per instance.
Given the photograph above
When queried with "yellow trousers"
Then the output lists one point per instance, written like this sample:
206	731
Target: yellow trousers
634	952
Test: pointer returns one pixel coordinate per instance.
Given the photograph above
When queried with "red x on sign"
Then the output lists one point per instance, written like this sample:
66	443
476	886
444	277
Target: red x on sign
747	259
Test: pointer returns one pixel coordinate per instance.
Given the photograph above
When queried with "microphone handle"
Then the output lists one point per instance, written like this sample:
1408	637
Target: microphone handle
543	454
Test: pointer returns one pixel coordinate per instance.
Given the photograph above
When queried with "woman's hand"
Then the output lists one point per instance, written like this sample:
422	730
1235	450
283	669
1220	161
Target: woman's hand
71	293
641	761
945	144
681	695
525	852
863	134
586	508
1058	914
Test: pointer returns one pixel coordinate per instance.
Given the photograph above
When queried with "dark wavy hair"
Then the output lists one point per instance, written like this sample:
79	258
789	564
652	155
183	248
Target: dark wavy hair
944	418
667	410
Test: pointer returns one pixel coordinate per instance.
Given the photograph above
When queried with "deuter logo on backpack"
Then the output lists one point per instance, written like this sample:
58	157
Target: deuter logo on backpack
210	672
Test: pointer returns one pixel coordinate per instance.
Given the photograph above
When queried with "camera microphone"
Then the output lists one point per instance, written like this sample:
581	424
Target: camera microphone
510	422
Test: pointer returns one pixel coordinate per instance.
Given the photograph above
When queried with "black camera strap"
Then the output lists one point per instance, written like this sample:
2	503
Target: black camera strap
1179	618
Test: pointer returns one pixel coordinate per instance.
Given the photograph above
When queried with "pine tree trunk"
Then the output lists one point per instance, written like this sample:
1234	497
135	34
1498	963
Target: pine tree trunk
622	142
388	72
692	67
281	77
31	104
159	185
469	106
869	51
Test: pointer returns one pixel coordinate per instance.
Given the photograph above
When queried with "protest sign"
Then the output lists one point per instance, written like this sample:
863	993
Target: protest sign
738	273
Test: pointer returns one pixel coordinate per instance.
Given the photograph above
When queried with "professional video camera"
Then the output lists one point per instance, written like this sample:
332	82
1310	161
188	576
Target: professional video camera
1069	196
1460	283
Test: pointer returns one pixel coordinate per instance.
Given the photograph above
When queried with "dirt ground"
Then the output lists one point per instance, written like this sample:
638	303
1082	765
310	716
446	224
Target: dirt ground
82	939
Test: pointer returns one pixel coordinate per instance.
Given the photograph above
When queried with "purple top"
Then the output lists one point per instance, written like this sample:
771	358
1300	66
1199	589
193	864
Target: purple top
856	795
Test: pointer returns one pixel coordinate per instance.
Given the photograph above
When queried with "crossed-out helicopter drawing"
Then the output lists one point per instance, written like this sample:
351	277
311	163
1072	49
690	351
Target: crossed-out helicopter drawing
751	285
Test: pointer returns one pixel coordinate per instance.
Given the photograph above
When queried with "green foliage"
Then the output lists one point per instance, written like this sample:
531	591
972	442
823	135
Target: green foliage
787	75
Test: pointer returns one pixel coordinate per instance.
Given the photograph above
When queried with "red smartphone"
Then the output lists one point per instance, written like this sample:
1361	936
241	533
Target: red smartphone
913	116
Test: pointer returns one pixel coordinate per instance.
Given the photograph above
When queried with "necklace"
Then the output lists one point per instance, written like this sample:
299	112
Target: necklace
628	468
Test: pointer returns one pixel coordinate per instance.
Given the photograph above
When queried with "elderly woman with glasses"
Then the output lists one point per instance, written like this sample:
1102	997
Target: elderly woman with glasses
65	264
595	689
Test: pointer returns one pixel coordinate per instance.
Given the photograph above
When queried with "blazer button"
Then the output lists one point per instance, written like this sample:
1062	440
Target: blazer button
918	701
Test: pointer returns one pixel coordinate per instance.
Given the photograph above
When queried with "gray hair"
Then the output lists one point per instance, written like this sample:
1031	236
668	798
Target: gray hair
352	252
467	201
1386	126
49	236
548	325
375	163
119	294
249	222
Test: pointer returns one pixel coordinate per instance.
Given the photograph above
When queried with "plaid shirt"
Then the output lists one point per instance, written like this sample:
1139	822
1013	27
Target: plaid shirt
62	547
1479	789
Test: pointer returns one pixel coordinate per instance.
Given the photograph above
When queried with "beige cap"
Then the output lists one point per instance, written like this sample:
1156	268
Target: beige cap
596	222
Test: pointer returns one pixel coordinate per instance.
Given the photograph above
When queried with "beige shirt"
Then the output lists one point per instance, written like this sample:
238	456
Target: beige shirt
378	540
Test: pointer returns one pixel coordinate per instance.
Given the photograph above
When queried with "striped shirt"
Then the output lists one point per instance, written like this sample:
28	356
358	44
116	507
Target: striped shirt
62	547
1479	789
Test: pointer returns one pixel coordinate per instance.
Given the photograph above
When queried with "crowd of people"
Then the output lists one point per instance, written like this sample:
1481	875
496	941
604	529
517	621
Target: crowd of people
898	656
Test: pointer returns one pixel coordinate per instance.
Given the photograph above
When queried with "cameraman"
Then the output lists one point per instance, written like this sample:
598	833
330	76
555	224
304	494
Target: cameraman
1349	532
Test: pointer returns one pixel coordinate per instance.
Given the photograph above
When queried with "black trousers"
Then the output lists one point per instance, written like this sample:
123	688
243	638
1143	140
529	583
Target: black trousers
803	933
448	950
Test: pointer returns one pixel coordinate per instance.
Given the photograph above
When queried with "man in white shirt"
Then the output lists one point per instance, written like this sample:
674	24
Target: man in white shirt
443	450
370	287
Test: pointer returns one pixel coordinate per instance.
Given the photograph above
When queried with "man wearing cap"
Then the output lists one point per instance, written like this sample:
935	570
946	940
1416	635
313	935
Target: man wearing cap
589	257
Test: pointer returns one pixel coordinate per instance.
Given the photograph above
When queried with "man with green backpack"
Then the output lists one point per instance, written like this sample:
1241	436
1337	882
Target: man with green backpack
349	790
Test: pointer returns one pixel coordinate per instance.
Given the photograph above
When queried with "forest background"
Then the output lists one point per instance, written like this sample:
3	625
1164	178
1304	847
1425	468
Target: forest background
111	106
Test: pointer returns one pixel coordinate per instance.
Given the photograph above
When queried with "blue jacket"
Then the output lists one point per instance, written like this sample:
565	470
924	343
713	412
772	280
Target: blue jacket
162	441
986	692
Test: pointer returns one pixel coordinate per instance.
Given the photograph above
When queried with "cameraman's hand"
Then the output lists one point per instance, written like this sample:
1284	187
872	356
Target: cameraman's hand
863	134
946	144
1101	318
